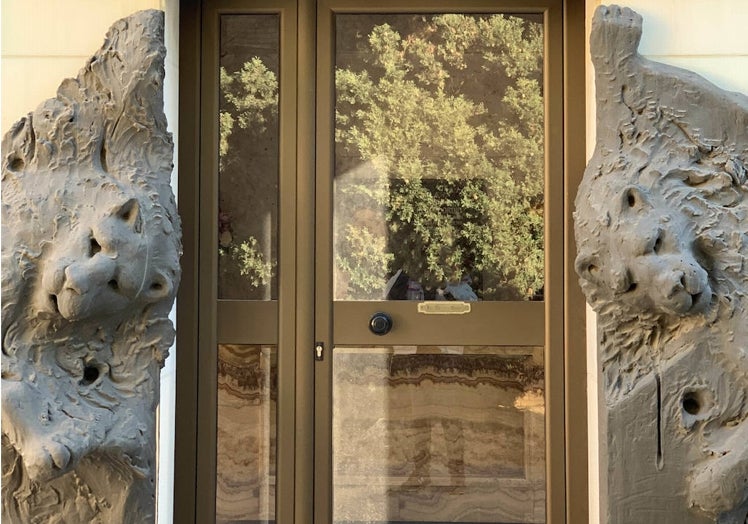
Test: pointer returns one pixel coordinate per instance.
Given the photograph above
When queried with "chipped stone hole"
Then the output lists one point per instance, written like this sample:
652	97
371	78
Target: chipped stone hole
92	371
691	403
16	163
696	404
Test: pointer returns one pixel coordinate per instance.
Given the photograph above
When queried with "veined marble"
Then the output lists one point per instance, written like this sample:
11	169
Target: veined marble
246	434
438	434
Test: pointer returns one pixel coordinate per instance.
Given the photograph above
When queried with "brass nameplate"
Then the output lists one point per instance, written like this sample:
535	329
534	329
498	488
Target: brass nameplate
444	308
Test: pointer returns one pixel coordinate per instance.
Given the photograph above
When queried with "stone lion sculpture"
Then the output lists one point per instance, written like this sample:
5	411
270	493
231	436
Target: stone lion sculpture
662	240
90	255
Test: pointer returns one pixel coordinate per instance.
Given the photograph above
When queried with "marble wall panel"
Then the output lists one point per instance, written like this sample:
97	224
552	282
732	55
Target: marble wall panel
433	434
246	434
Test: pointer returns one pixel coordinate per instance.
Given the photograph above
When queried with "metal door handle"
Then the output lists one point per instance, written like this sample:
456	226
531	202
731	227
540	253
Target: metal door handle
380	323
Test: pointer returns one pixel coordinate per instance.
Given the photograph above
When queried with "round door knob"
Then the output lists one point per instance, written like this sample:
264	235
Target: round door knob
380	323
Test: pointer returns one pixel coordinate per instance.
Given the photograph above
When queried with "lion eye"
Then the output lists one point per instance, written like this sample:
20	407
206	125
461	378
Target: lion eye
631	199
93	246
657	244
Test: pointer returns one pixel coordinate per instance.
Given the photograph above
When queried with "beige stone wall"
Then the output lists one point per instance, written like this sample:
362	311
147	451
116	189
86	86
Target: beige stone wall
704	36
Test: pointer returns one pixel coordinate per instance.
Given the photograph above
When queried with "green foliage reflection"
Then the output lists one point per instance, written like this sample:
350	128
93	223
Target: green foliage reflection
449	110
249	100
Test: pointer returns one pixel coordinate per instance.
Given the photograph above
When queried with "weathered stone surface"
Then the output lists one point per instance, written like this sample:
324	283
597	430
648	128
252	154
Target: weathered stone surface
661	233
90	256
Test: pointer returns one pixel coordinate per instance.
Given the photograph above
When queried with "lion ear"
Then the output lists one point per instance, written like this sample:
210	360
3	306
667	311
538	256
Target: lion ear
634	198
129	213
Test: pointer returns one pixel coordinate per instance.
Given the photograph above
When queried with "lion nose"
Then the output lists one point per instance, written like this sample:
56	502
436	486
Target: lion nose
95	272
675	282
76	279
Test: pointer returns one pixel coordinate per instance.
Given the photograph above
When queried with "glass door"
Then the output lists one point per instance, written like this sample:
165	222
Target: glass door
380	328
438	216
248	262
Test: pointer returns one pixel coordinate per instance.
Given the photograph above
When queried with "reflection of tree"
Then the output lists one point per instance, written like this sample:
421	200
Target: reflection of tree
251	262
249	98
451	108
365	255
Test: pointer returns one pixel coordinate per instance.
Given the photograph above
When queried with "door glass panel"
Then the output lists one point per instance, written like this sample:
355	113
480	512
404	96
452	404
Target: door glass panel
246	434
439	157
248	157
438	434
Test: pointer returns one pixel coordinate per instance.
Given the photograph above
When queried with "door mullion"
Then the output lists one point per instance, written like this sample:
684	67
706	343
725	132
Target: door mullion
305	260
323	272
288	255
207	351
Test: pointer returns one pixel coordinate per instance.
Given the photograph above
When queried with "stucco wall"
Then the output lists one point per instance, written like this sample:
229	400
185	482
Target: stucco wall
45	41
704	36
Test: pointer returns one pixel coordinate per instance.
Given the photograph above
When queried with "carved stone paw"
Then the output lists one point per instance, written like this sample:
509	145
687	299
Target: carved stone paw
719	486
38	432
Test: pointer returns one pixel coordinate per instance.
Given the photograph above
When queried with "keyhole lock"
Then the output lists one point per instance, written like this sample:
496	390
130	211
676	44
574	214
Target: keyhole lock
380	323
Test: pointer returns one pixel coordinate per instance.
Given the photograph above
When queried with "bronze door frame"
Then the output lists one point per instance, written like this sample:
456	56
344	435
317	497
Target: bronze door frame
199	331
